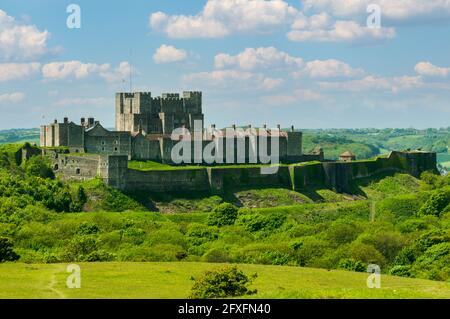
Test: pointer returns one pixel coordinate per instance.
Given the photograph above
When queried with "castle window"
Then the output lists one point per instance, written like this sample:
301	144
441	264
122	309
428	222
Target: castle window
78	171
55	168
103	149
103	142
116	142
115	149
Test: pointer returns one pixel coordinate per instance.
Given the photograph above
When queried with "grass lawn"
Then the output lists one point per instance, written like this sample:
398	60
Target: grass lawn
173	280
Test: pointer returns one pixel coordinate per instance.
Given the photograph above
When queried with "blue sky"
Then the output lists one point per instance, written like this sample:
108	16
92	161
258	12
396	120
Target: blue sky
314	64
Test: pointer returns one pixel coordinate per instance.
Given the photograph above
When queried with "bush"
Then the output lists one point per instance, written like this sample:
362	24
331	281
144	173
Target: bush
222	283
352	265
343	231
79	248
199	234
6	250
224	214
437	202
263	223
39	166
401	271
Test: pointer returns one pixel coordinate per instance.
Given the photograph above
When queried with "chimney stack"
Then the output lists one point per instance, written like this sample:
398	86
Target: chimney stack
83	121
66	120
292	128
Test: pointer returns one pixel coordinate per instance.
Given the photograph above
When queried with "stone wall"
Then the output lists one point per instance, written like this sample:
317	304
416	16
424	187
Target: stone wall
334	175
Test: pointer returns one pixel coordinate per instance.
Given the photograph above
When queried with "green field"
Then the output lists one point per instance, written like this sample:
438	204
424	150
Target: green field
173	280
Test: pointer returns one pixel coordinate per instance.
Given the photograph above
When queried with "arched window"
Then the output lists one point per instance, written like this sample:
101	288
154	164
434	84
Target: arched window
78	171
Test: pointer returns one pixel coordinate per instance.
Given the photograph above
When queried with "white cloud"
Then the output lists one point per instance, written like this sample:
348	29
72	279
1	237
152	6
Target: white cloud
168	54
322	29
19	41
118	74
220	18
328	69
79	70
15	71
233	78
11	98
260	58
376	83
299	95
394	10
270	58
71	69
428	69
96	101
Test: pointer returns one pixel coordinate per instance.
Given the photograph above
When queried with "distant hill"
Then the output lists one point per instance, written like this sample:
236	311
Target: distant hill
19	136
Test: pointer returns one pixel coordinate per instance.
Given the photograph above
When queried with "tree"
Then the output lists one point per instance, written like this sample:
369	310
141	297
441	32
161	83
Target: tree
6	250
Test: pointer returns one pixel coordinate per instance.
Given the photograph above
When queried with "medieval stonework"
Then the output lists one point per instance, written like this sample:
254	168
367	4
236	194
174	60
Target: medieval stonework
144	126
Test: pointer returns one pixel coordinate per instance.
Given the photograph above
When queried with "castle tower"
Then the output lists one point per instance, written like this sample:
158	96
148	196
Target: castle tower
133	109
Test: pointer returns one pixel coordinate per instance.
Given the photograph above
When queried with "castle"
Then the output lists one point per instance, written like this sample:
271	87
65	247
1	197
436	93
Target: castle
144	131
144	126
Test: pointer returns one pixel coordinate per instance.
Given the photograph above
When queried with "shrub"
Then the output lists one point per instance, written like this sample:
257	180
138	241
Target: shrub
386	242
6	250
217	255
224	214
352	265
79	248
86	228
39	166
259	222
401	271
343	231
222	283
437	202
199	234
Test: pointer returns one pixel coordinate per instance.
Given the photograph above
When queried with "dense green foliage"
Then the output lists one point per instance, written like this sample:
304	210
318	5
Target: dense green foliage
224	214
6	250
398	222
222	283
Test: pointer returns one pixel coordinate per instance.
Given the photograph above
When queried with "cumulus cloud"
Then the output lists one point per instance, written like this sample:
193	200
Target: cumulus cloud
428	69
119	73
220	18
72	69
397	10
15	71
329	69
168	54
322	28
11	98
20	42
376	83
298	95
79	70
259	58
233	78
271	59
95	101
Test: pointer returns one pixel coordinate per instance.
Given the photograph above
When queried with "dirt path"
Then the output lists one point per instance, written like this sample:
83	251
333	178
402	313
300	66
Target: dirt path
52	286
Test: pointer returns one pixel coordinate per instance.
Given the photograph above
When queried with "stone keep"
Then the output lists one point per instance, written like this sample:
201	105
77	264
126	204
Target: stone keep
144	125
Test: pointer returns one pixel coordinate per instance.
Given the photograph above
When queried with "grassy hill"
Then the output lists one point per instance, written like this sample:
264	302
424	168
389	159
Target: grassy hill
19	136
173	280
